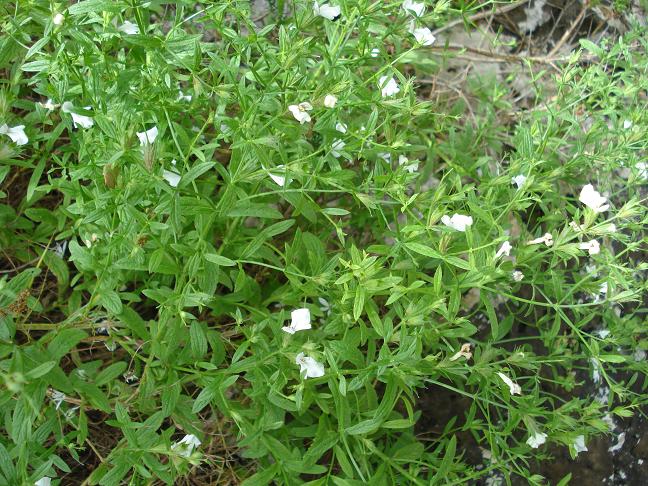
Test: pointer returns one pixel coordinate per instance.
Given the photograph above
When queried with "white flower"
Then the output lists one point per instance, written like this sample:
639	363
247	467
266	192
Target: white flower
45	481
58	19
413	7
280	180
642	168
57	397
329	12
49	105
77	120
519	180
514	388
388	86
341	127
410	167
300	321
592	199
386	156
464	351
596	369
59	248
148	137
128	28
16	134
536	440
300	112
330	101
324	305
505	249
457	222
423	35
579	444
547	239
184	97
130	377
173	178
186	445
337	147
517	275
309	367
375	52
627	124
593	247
575	226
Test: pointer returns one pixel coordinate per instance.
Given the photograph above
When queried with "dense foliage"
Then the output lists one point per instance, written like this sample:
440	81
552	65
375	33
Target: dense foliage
187	177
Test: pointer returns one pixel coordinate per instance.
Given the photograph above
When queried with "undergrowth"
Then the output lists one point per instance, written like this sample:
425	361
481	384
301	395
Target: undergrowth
242	252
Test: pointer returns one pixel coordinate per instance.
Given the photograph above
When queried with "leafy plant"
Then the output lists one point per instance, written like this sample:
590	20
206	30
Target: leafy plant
235	251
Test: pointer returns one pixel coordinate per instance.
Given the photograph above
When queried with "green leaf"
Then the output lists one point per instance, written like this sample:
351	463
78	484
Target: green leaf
423	250
111	301
365	427
64	341
96	6
197	339
58	267
262	478
110	373
40	370
219	260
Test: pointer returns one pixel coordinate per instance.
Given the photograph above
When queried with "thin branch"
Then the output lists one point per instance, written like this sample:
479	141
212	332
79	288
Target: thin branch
480	16
568	33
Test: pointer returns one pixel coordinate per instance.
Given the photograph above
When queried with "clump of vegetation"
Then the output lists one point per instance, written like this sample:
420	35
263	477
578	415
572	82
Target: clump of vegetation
244	250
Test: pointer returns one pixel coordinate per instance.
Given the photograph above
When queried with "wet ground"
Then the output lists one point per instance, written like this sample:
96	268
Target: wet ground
618	459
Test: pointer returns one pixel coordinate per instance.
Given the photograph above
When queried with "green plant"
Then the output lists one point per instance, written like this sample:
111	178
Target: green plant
190	179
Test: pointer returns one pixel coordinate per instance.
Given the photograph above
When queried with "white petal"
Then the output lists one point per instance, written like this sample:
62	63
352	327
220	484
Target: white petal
77	120
536	440
547	239
514	388
458	222
49	105
579	444
300	113
410	166
341	127
593	199
337	147
280	180
517	275
309	367
128	28
330	12
82	121
388	86
519	180
505	249
16	134
301	319
148	137
642	168
58	19
186	445
627	124
173	178
58	398
593	247
330	101
375	52
45	481
183	97
423	36
415	8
